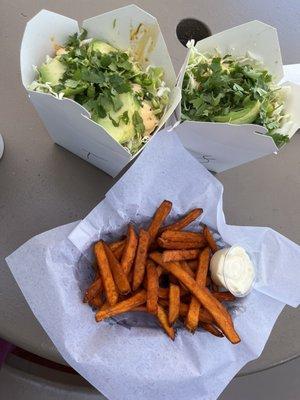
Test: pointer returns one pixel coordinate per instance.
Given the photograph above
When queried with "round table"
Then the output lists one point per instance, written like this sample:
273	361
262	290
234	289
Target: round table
43	186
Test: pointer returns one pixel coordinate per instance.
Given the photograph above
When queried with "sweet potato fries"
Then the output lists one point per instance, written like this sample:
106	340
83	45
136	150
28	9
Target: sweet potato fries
162	270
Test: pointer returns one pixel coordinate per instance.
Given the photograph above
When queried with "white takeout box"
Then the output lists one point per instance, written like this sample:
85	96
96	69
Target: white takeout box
67	122
221	146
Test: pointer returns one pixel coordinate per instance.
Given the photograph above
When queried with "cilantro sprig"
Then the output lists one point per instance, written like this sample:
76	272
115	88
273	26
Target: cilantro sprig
222	89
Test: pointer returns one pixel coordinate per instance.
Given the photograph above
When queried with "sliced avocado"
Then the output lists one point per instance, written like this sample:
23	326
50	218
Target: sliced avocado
52	72
122	133
102	47
245	116
69	92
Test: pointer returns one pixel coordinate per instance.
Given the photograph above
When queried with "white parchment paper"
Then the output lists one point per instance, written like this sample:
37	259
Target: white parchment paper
140	362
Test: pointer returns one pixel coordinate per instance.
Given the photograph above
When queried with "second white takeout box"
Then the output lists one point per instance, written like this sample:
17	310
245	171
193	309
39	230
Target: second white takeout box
221	146
67	122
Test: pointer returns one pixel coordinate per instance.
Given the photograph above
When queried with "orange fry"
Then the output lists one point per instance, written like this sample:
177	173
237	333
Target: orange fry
118	252
93	290
223	296
185	266
179	255
163	319
105	273
124	306
203	317
158	219
182	236
185	221
96	302
163	293
211	329
129	250
140	260
174	303
176	245
203	295
152	287
115	245
193	264
119	275
192	318
210	239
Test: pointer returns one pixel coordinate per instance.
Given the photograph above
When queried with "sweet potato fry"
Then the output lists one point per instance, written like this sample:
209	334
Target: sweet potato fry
163	293
223	296
179	255
210	239
158	219
105	273
174	303
203	295
94	290
152	287
204	316
115	245
96	302
185	221
185	266
192	318
129	250
211	329
182	236
124	306
176	245
159	270
183	309
119	275
118	252
140	260
193	264
164	302
163	320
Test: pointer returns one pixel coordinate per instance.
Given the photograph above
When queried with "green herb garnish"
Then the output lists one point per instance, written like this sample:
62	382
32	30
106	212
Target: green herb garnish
109	83
235	90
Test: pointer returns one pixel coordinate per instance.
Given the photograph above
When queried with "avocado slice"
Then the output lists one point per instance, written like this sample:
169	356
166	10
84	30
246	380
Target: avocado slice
70	92
102	47
124	132
52	72
245	116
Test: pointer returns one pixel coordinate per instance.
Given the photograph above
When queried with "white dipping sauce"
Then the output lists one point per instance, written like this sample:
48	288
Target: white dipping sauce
233	269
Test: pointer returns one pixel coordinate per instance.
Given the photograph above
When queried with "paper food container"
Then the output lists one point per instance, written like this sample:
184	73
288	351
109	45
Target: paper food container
67	122
221	146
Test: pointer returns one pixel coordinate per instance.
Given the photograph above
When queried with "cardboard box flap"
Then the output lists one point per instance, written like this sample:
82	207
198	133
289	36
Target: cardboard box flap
260	39
293	108
45	30
222	146
79	134
132	28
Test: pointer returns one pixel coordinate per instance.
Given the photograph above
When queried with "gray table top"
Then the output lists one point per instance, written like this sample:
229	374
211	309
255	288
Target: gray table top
43	186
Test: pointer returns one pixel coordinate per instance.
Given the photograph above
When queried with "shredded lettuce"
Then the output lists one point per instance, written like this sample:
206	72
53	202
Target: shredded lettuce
235	90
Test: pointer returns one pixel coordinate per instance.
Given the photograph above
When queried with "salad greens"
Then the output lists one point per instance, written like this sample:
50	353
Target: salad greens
235	90
126	100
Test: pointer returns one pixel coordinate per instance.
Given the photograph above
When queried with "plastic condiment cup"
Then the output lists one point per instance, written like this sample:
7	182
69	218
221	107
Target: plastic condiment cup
222	275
